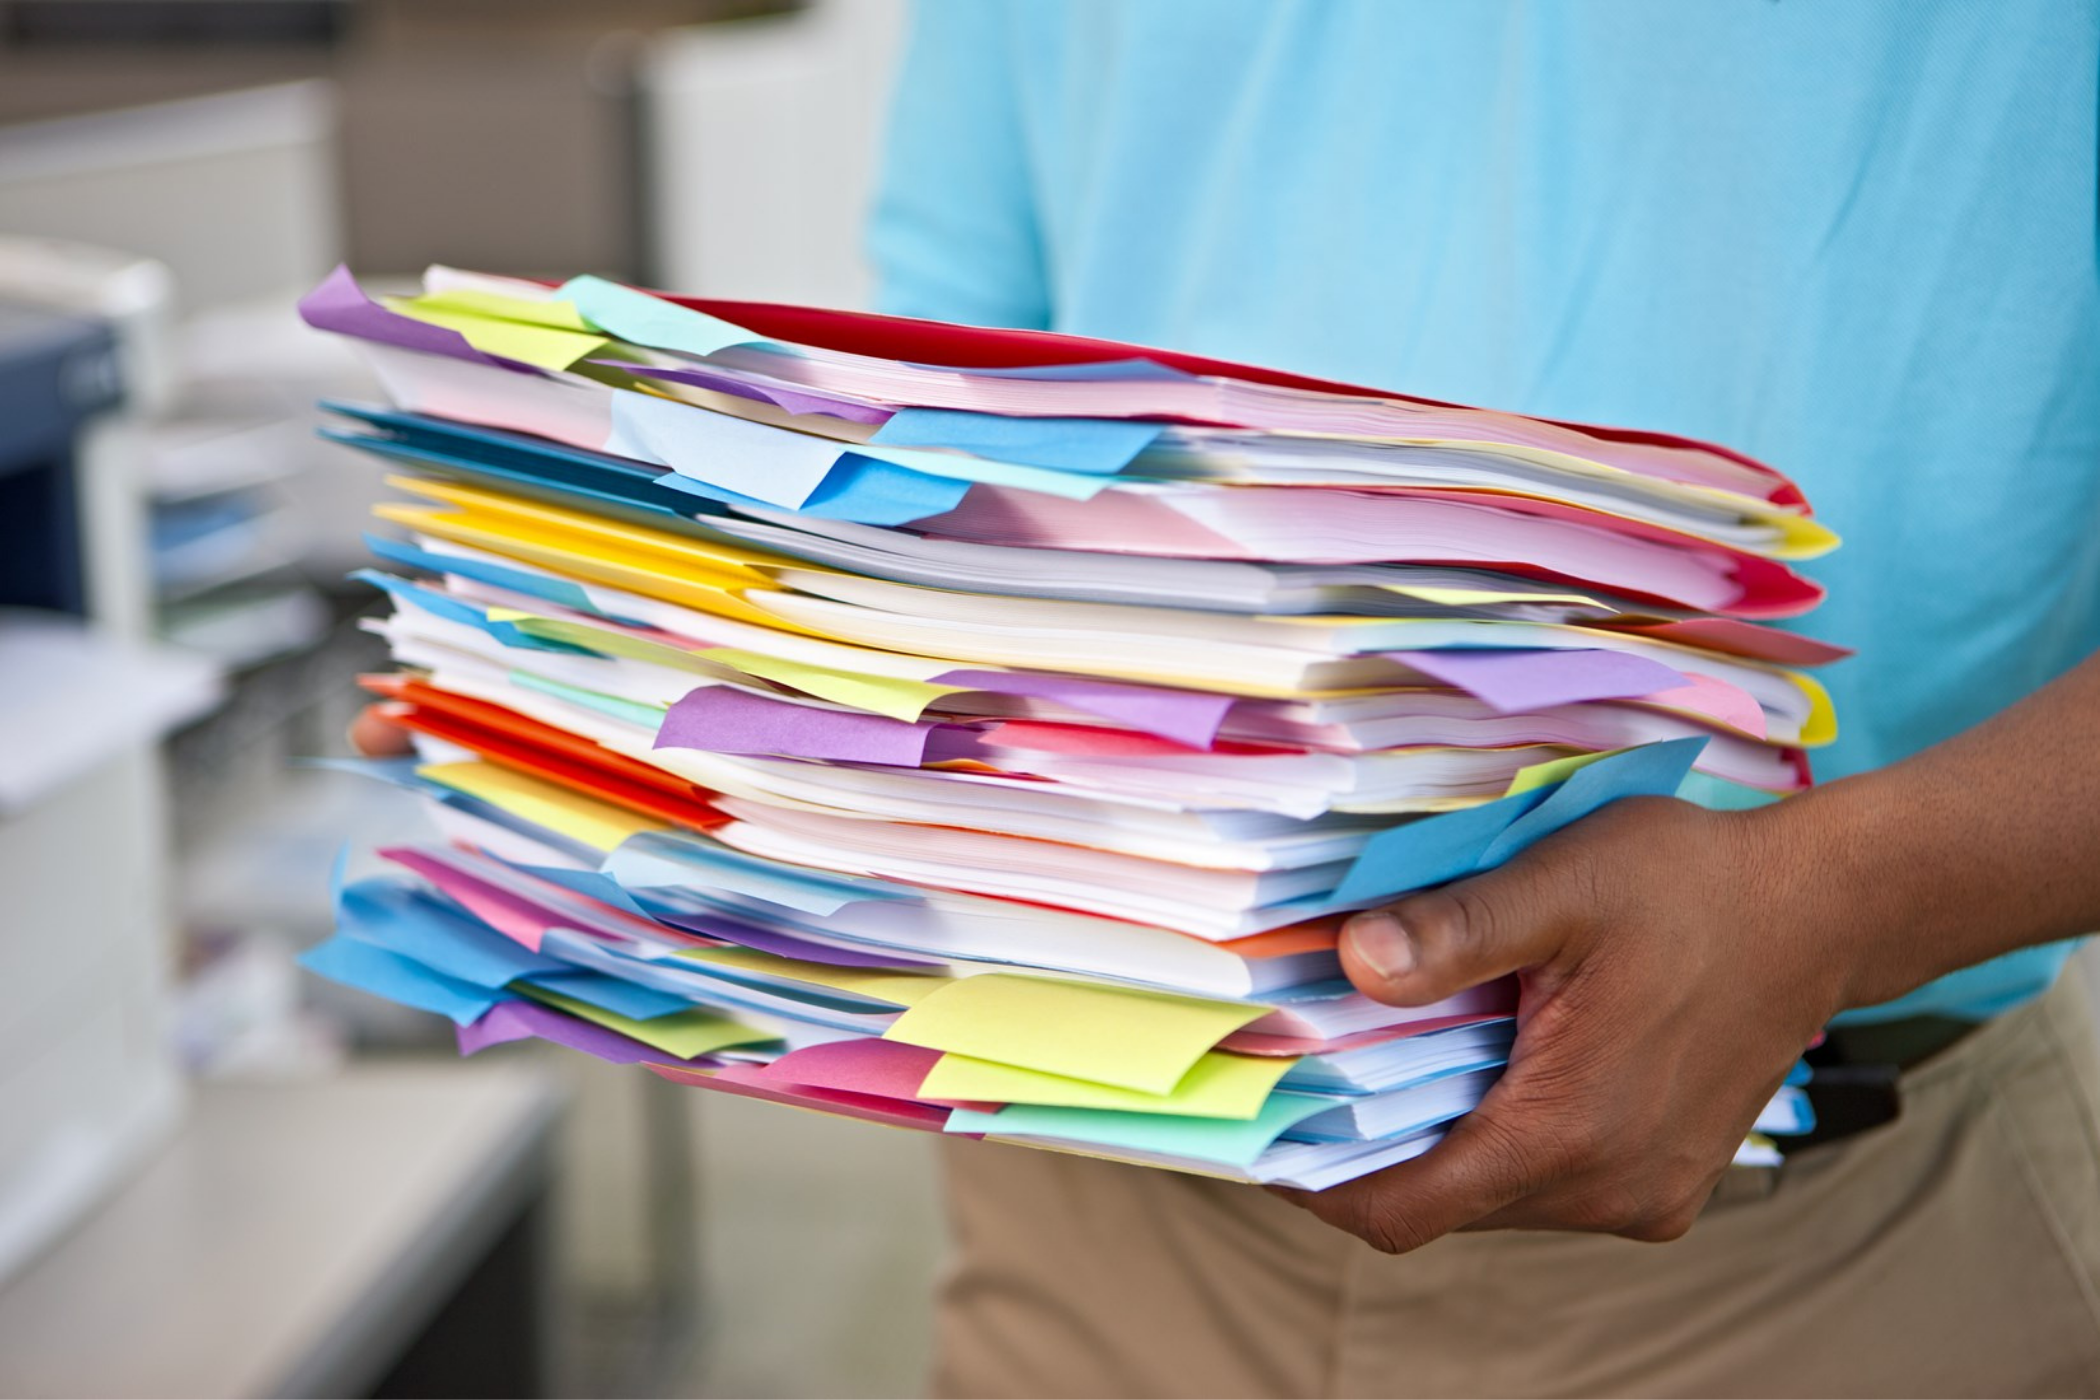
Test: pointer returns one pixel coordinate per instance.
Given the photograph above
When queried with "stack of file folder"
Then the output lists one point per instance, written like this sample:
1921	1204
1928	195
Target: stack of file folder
987	731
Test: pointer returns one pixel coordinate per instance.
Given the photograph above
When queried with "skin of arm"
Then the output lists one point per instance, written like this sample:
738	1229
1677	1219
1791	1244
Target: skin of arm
1674	962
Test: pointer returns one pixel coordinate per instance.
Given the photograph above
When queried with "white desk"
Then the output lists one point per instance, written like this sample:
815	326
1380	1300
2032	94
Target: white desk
291	1240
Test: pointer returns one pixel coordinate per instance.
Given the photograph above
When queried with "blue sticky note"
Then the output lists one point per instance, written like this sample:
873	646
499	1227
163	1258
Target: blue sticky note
590	884
555	590
657	859
404	919
860	490
623	998
1230	1142
1453	845
387	974
641	319
1652	770
1431	850
452	609
1100	446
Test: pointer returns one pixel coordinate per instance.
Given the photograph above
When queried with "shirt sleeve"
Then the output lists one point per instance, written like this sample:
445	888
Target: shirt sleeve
953	233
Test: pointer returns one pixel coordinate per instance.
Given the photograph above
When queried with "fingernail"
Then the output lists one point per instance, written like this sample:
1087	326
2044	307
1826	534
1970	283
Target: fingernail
1380	941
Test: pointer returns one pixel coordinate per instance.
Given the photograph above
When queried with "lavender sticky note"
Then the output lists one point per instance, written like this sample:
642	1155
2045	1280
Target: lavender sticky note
339	305
1513	681
722	719
1190	717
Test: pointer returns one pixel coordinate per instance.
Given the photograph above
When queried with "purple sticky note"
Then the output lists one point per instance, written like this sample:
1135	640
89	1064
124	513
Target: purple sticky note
887	1069
791	400
722	719
1190	717
523	1020
1512	681
340	305
785	945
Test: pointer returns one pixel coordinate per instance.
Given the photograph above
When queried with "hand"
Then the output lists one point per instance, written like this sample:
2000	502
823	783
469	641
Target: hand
1666	989
373	735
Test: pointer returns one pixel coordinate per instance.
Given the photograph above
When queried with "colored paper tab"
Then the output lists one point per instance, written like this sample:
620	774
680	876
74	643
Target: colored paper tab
1433	850
585	820
525	1020
388	974
640	319
339	305
723	719
1513	681
899	988
885	1068
1218	1086
883	695
1101	446
1228	1142
1189	717
682	1035
1107	1034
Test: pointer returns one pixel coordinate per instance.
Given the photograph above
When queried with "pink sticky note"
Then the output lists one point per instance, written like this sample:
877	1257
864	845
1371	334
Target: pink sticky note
1513	681
722	719
749	1081
885	1068
1716	700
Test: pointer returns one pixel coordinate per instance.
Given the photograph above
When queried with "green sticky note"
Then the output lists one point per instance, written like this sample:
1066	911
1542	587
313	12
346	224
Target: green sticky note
1124	1036
650	717
1228	1142
683	1034
641	319
544	347
1221	1085
1556	770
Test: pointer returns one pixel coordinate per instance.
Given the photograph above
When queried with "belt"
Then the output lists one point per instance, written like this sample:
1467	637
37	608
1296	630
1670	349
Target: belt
1854	1080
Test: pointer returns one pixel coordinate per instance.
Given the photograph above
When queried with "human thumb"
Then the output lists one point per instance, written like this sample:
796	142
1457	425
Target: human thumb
1436	944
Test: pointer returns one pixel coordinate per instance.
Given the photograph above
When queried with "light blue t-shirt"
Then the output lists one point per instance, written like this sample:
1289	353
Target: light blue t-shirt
1854	238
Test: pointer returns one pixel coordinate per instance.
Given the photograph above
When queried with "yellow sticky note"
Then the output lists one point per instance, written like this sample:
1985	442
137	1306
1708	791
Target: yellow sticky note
882	695
544	347
1821	726
1221	1085
468	301
683	1034
1110	1035
692	554
900	988
599	825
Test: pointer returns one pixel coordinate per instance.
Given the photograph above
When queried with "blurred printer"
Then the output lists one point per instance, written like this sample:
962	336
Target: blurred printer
87	1081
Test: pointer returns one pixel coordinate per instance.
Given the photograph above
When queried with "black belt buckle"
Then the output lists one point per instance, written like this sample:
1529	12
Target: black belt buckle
1848	1100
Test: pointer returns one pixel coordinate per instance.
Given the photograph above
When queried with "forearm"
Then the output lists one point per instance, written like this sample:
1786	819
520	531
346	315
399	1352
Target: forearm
1980	845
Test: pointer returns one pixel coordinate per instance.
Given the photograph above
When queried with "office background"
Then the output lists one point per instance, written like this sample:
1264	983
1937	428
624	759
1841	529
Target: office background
283	1190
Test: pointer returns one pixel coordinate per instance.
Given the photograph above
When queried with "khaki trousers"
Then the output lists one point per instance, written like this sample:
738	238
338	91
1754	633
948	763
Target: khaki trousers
1953	1252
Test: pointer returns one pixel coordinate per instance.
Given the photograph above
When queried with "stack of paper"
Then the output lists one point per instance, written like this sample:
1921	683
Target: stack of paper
986	731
